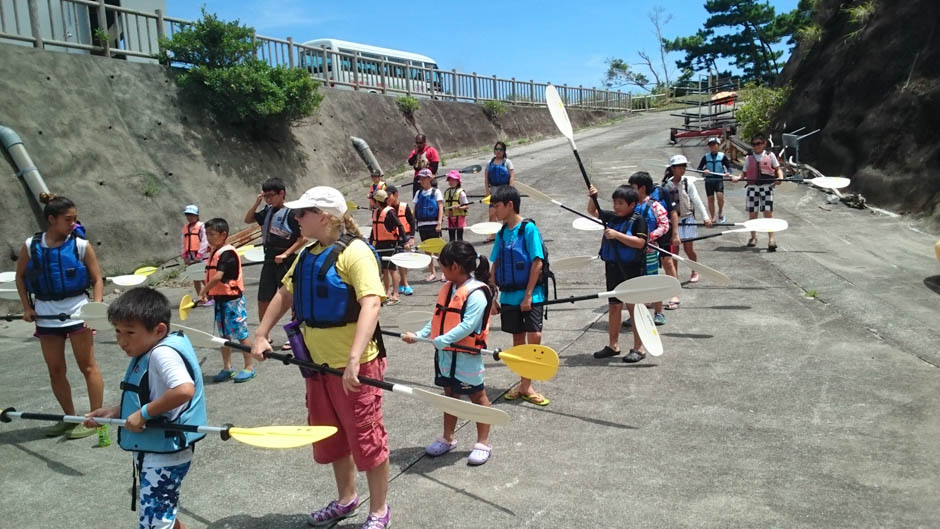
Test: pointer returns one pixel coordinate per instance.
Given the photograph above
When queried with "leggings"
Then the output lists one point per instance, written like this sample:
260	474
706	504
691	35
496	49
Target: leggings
452	232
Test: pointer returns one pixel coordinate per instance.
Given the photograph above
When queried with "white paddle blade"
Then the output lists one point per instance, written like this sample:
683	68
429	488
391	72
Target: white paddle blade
197	337
410	260
196	271
532	192
765	225
646	330
486	228
9	293
574	263
365	231
255	254
128	280
6	277
830	182
647	289
584	224
412	319
93	312
456	407
559	115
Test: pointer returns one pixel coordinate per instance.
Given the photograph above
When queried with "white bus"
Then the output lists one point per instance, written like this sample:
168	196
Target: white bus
400	67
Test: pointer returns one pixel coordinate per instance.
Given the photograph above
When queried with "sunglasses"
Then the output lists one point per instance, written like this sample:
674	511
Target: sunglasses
756	143
499	149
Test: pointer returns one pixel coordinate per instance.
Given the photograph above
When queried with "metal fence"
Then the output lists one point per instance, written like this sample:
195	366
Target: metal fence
64	25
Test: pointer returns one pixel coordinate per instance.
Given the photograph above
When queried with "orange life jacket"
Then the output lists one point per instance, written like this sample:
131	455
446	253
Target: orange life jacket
233	287
402	208
449	312
379	232
191	238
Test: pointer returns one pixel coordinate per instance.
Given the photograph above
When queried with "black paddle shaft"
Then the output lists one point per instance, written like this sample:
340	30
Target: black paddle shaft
4	417
60	317
570	299
700	237
467	348
322	368
587	182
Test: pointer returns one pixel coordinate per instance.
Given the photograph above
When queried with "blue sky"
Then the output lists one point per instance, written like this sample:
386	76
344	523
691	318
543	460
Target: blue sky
556	41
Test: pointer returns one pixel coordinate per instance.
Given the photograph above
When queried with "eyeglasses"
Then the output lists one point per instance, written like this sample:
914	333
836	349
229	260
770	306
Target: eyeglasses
270	195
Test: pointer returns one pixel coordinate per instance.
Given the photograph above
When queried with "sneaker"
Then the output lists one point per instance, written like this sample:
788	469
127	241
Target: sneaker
407	290
633	356
245	375
722	219
57	429
378	522
333	513
401	290
80	431
223	375
659	318
210	303
606	352
628	323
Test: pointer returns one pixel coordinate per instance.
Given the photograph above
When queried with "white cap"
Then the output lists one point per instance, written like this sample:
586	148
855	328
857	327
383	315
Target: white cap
678	159
191	209
713	139
324	198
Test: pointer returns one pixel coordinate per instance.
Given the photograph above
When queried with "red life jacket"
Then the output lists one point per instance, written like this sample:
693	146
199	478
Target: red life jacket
232	287
764	170
191	241
449	312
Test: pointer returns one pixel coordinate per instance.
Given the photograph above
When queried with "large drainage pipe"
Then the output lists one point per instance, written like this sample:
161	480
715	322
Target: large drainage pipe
24	164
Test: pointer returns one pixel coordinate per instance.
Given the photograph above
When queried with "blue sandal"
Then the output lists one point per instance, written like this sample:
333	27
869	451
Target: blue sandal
244	375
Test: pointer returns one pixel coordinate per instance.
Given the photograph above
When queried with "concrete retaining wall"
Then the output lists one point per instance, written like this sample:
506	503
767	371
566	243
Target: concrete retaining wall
117	139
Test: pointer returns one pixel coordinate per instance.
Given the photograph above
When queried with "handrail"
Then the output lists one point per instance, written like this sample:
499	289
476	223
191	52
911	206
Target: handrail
135	33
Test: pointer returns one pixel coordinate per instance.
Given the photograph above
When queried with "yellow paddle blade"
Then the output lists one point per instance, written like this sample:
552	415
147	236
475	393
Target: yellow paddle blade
434	245
281	436
243	249
351	205
145	270
486	199
538	362
186	304
936	250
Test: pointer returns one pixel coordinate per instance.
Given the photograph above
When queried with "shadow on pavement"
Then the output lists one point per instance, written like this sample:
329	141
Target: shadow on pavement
54	466
719	307
686	335
268	521
599	422
933	283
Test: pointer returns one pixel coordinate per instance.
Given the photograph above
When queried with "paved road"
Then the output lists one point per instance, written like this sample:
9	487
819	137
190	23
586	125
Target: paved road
768	409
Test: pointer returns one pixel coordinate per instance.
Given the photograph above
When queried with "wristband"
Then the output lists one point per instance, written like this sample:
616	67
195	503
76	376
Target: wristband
144	414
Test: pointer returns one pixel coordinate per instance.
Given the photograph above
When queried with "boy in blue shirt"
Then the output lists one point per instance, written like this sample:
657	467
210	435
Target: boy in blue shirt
517	258
163	383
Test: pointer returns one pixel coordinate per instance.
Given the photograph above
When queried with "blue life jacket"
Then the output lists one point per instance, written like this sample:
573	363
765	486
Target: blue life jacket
56	273
614	251
514	261
426	206
321	298
79	231
663	197
136	392
713	164
497	174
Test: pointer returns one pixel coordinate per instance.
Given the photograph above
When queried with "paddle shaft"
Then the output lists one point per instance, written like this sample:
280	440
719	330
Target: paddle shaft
11	412
468	348
60	316
700	237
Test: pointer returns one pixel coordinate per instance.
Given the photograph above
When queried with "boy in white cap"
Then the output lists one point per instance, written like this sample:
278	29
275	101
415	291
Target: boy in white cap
194	246
686	202
716	166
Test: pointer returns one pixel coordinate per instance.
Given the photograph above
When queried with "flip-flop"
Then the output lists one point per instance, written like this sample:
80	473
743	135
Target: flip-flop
538	399
512	394
672	305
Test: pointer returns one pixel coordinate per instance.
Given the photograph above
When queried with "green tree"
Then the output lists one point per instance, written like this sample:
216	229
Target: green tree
743	31
620	75
220	71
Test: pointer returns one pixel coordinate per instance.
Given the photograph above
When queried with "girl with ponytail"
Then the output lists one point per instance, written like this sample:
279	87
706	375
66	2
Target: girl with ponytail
461	316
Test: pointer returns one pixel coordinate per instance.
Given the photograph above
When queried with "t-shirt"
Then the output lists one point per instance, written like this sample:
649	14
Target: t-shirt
438	196
166	371
357	267
431	154
639	229
60	306
533	245
282	232
228	265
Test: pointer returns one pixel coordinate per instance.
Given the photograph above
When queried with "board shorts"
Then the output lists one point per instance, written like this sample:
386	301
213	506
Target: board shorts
652	263
428	232
64	332
271	276
159	495
514	321
618	274
387	249
760	198
231	319
357	417
457	387
714	186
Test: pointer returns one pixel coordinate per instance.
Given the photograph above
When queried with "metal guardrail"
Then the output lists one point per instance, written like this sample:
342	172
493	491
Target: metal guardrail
72	24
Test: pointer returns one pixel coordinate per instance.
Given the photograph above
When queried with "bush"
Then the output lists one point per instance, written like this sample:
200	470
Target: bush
223	74
408	105
809	35
494	109
760	105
